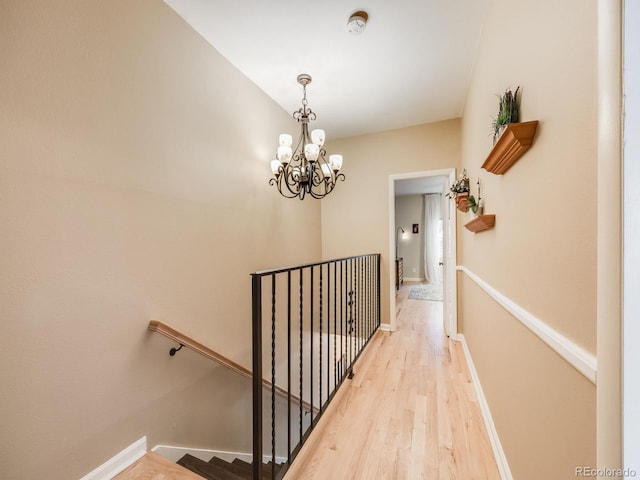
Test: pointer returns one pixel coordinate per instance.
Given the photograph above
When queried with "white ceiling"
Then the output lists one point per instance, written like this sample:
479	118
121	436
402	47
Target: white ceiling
421	185
411	65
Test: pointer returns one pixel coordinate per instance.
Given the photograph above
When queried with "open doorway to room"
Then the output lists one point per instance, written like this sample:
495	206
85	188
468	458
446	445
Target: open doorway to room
422	242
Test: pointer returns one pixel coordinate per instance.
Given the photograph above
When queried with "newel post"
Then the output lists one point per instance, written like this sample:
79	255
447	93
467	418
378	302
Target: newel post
256	315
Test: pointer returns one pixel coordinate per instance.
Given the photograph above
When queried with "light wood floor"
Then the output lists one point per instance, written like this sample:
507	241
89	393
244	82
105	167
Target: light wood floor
154	467
410	412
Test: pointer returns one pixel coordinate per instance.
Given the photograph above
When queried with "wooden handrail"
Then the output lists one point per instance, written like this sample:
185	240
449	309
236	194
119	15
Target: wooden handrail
179	337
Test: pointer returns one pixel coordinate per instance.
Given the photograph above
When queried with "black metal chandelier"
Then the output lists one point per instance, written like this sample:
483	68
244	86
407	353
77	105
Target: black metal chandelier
304	169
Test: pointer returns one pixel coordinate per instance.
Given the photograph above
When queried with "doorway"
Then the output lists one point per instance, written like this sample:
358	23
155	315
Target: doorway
427	182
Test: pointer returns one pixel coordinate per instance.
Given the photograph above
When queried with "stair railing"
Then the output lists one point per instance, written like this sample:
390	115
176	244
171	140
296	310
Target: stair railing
186	341
318	317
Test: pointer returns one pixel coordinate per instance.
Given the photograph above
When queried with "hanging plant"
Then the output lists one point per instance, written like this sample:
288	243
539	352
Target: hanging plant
459	192
460	187
508	112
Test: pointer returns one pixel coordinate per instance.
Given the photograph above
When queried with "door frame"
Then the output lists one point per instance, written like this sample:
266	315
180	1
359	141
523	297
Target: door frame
450	300
631	232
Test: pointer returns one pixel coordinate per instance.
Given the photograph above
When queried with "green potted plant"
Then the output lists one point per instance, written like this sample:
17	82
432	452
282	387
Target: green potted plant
508	112
475	205
459	191
460	187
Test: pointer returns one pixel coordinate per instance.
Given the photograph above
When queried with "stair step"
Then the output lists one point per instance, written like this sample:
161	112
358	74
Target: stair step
207	470
248	467
231	467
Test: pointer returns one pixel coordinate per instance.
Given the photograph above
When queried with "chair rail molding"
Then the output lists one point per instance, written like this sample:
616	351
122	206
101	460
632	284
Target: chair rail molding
582	360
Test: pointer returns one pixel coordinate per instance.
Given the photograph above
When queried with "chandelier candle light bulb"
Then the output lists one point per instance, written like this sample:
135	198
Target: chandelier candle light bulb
304	169
311	151
275	167
285	140
317	137
335	161
284	154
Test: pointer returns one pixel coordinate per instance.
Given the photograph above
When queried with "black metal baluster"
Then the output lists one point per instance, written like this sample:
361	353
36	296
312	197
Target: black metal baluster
350	315
373	296
365	284
289	367
342	346
358	316
346	316
335	325
353	313
320	343
301	353
362	320
328	331
311	346
378	290
273	371
358	305
256	314
371	264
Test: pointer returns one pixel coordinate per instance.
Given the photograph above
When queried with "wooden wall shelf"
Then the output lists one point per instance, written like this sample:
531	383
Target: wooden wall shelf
462	201
481	223
511	145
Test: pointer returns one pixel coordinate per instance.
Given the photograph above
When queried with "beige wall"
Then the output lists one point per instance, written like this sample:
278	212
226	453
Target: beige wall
133	186
542	252
410	210
355	217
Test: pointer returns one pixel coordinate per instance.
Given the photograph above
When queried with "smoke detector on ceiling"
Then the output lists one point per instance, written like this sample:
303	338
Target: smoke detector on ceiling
357	22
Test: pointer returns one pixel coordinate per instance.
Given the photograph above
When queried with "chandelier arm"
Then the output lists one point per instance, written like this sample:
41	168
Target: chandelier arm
299	150
317	177
332	185
292	179
277	182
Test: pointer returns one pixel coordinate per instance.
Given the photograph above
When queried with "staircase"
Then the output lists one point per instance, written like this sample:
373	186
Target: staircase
156	467
218	469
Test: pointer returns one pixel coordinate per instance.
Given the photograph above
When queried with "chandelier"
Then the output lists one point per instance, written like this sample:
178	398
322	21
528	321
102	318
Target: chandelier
304	169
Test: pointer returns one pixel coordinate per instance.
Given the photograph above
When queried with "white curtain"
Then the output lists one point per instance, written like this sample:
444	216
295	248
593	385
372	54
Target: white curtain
432	238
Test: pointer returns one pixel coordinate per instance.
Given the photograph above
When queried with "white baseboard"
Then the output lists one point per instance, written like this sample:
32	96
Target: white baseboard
121	461
496	446
385	327
410	279
174	454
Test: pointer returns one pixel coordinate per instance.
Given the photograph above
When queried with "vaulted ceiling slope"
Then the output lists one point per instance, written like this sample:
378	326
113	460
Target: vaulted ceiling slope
411	65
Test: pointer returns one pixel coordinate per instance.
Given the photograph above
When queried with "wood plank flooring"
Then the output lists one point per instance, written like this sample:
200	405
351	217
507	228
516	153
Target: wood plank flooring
410	412
155	467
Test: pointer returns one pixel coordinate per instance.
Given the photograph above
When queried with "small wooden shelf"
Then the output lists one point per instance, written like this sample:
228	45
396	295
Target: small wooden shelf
481	223
511	145
462	201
